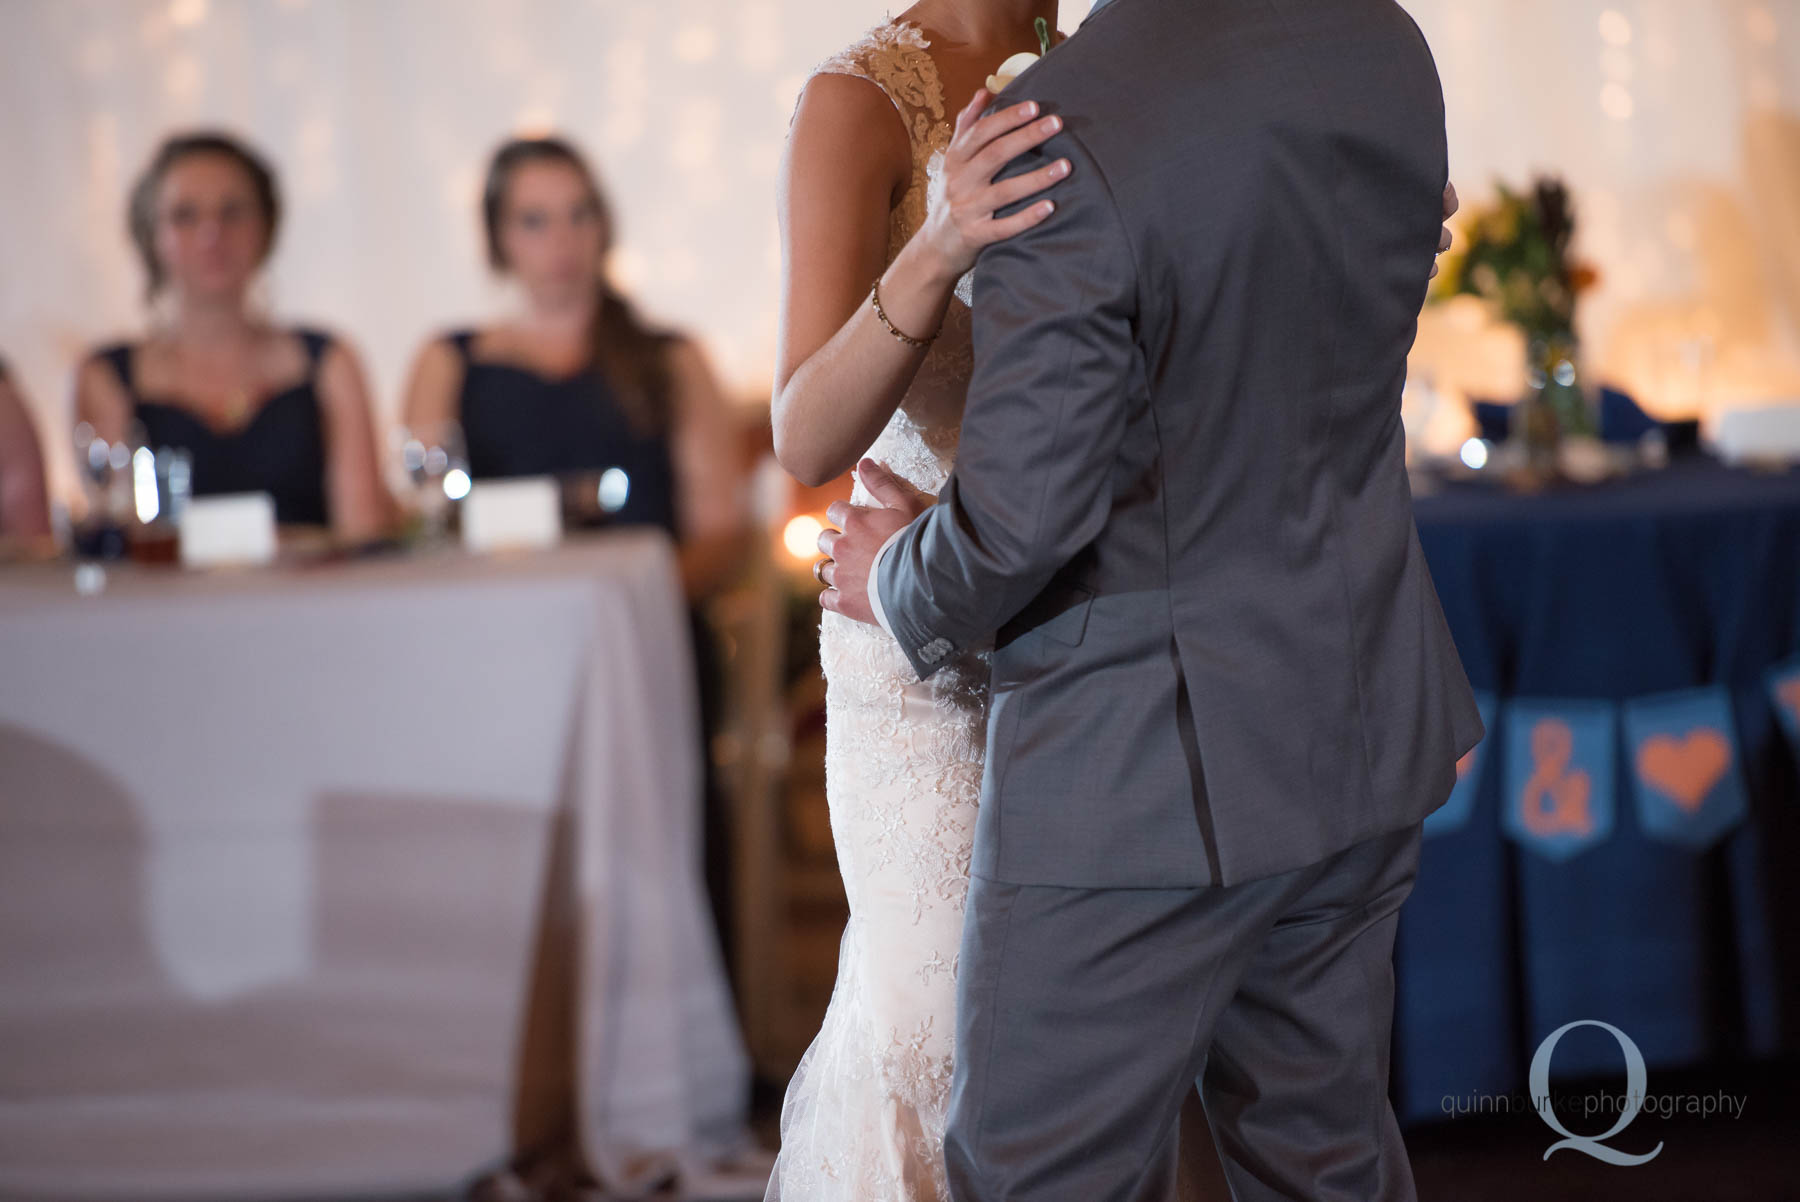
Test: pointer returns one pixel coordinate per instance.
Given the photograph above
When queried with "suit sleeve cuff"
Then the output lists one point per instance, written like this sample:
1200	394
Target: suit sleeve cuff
875	581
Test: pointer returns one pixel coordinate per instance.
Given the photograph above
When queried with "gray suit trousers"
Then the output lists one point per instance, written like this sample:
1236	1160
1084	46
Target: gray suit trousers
1086	1015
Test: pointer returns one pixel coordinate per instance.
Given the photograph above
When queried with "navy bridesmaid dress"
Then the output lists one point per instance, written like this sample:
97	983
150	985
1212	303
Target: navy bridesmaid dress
280	450
516	422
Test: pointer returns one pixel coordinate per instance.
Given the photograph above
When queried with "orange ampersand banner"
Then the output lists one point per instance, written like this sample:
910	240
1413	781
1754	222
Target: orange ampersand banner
1556	797
1560	774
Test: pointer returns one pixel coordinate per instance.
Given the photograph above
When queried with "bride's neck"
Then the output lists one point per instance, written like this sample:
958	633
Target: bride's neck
986	22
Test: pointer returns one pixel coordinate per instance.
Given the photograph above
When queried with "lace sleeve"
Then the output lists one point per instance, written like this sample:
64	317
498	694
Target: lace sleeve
896	59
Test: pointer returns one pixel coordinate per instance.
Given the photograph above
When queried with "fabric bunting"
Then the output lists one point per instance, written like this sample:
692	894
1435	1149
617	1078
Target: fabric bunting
1560	765
1686	766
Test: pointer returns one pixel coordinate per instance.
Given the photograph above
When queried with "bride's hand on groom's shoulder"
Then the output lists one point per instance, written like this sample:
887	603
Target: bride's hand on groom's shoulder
965	198
859	533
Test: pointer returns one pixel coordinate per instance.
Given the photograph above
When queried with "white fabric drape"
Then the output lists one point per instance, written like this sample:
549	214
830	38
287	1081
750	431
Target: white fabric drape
338	884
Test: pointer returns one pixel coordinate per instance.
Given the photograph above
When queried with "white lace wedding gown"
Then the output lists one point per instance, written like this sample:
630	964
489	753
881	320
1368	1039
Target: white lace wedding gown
865	1112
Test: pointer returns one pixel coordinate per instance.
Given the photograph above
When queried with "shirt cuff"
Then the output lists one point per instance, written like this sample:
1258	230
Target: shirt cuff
875	581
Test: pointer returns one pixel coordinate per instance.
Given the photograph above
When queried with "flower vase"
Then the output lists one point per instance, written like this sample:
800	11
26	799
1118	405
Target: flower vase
1555	407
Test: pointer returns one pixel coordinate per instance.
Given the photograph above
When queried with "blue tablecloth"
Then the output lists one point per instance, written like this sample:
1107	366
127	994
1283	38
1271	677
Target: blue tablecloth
1666	581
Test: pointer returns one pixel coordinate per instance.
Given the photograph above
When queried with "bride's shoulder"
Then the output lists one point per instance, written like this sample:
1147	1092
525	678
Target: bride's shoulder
894	55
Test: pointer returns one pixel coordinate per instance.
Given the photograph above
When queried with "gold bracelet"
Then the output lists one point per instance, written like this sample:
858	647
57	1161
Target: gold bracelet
909	340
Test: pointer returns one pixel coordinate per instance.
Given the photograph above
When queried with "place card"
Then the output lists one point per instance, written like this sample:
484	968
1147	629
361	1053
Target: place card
1769	435
500	515
237	529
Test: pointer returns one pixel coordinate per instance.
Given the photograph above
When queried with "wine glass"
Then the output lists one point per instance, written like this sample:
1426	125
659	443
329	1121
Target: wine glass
435	468
104	469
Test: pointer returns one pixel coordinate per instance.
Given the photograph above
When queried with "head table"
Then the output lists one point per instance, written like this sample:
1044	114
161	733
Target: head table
354	879
1629	642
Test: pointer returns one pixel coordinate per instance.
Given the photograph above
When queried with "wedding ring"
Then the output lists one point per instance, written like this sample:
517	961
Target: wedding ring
819	570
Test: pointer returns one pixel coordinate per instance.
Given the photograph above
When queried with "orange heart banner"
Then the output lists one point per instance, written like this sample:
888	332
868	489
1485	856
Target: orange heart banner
1685	765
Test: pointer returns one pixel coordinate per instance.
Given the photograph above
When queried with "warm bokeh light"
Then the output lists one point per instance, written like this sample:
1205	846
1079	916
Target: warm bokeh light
696	43
1615	27
1616	100
187	13
801	537
1764	29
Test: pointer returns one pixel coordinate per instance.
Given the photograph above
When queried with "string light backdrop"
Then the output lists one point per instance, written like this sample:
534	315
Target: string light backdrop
380	114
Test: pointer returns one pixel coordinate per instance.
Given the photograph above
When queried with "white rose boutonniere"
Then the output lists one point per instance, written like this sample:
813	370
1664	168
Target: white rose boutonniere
1018	64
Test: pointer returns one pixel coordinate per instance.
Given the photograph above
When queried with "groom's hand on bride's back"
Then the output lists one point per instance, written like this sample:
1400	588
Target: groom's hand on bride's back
860	531
1451	205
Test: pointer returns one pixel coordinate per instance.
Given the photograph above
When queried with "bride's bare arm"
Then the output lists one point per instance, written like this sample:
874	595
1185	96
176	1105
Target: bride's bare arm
841	373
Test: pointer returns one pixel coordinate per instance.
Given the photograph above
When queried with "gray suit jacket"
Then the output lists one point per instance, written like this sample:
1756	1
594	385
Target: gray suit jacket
1180	503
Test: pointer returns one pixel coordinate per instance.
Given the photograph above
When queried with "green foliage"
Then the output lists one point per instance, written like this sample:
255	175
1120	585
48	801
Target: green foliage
1516	255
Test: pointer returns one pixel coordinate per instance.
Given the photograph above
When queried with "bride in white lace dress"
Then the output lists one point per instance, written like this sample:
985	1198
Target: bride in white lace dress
885	179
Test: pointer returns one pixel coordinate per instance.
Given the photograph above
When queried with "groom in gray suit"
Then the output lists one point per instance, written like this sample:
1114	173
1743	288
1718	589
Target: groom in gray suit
1224	695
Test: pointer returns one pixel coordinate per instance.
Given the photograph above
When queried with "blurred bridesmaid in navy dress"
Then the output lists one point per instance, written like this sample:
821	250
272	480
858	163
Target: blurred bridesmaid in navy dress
259	407
577	384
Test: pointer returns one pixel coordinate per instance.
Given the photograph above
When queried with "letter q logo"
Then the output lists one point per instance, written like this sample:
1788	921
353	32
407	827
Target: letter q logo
1635	1078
